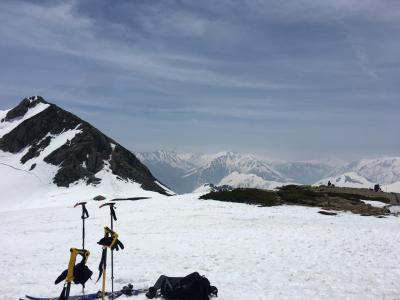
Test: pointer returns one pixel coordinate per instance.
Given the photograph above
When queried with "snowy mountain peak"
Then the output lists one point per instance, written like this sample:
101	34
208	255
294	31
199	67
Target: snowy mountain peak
170	158
42	140
349	179
23	107
187	171
240	180
384	170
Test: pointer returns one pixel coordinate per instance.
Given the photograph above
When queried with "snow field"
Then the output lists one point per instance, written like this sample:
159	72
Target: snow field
248	252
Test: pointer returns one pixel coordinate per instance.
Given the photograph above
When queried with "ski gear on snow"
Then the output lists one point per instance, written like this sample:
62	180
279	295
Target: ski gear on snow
80	297
84	216
127	290
113	217
191	287
79	273
110	240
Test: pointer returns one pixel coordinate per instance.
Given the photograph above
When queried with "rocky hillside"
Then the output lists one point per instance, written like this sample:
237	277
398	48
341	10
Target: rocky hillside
37	134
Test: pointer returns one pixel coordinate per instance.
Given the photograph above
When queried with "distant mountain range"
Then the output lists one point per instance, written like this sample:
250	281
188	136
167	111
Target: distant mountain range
186	172
49	153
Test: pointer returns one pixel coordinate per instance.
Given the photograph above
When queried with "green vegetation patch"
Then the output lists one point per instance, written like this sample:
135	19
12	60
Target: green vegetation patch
248	196
299	194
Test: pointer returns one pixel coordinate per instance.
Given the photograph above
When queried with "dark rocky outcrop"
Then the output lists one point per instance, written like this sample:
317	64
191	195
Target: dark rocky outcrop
327	213
82	156
126	165
299	195
34	150
21	109
52	120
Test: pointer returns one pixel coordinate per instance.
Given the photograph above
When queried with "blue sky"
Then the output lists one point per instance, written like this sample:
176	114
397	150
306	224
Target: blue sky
287	79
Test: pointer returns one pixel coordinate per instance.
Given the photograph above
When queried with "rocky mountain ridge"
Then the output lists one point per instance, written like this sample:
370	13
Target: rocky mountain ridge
41	138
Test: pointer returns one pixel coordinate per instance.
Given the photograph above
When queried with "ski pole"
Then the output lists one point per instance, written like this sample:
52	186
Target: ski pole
110	240
103	286
85	215
113	217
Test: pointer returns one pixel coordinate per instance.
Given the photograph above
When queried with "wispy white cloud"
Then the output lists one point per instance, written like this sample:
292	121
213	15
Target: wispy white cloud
60	28
258	67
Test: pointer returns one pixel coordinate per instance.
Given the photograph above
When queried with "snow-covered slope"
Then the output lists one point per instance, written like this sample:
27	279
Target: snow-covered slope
167	158
50	155
385	170
248	252
355	180
32	109
240	180
350	179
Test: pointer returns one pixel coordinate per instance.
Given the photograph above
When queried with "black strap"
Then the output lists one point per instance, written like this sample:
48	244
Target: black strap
85	213
62	277
112	212
103	263
119	245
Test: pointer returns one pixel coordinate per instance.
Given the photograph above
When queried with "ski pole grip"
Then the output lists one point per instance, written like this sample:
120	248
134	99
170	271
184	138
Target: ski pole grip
112	209
111	204
85	213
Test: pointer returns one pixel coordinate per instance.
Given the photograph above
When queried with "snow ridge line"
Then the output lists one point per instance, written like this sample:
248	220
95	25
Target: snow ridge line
17	169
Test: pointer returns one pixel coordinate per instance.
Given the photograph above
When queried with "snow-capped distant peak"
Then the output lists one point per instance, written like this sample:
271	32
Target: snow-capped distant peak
204	189
240	180
384	170
162	157
349	179
185	172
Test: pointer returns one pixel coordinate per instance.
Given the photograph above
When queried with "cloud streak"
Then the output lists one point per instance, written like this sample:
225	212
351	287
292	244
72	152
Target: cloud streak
290	67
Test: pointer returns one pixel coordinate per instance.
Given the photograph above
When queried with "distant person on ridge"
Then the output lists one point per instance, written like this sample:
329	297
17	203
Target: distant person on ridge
377	188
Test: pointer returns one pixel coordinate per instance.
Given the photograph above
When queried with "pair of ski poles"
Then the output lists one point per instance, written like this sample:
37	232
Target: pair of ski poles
113	217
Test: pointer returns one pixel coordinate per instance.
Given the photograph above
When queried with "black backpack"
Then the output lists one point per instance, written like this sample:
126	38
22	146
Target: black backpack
191	287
